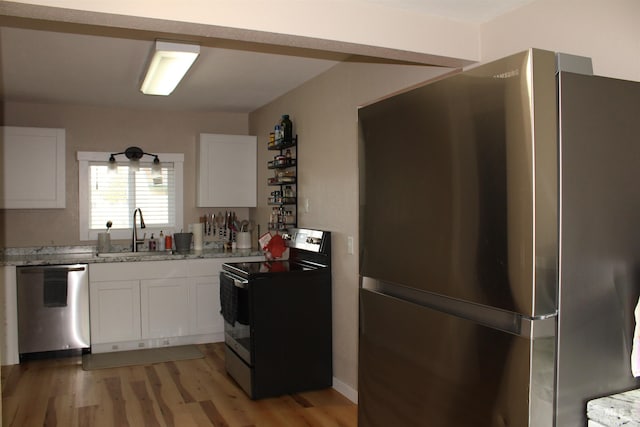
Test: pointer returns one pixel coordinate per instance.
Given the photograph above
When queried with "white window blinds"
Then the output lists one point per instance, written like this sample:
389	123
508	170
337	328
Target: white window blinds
115	194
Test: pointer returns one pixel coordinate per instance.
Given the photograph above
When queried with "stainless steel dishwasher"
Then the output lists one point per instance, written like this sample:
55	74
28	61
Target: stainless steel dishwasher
53	308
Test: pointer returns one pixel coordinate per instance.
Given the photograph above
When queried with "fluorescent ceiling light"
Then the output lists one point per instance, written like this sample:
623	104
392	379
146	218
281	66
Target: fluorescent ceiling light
169	64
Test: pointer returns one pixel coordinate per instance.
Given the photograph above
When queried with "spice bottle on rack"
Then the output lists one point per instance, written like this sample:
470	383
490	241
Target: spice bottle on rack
288	191
277	132
286	129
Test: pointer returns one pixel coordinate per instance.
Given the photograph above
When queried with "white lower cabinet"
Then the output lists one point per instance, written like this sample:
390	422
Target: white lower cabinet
8	316
204	295
164	307
156	303
115	311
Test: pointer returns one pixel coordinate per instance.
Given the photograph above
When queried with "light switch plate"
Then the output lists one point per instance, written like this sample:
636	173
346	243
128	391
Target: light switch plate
350	245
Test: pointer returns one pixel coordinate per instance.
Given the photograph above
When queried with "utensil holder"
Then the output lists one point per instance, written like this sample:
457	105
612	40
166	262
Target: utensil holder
243	240
182	241
104	242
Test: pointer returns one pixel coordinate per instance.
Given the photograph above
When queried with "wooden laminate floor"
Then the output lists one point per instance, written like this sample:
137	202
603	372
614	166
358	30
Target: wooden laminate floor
57	392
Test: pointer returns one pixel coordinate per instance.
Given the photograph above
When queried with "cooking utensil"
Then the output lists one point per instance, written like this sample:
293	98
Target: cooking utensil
219	223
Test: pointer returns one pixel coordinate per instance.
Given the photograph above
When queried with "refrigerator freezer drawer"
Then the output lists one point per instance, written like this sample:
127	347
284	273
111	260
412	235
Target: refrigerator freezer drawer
422	367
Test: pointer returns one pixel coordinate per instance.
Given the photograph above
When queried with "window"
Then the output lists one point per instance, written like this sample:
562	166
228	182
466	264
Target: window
106	195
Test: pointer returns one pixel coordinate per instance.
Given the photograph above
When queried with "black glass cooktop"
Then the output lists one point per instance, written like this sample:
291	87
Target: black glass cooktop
252	268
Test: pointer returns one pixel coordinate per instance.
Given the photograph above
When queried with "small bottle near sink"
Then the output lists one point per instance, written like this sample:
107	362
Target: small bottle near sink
161	242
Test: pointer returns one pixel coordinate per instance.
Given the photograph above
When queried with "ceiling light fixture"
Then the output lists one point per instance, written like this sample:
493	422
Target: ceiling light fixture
168	65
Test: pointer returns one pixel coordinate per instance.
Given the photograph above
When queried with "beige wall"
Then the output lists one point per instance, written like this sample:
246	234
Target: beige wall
324	113
111	130
606	31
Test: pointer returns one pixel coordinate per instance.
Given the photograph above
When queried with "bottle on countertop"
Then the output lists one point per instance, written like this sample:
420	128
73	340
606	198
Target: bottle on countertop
168	242
152	243
161	241
286	128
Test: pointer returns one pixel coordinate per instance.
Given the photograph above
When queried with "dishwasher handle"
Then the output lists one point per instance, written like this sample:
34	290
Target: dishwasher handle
33	270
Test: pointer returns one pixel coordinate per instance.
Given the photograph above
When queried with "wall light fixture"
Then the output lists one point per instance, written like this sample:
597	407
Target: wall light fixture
134	154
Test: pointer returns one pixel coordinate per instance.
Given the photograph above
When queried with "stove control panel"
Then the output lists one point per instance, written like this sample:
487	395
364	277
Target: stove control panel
304	238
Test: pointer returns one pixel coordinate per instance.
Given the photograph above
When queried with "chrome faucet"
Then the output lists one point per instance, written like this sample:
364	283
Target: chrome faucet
134	234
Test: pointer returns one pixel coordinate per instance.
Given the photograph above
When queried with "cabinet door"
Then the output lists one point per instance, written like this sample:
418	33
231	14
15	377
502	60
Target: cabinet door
164	307
204	295
227	171
33	168
8	316
115	311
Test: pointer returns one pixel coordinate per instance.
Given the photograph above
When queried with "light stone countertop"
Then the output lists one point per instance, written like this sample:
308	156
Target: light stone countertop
617	410
53	255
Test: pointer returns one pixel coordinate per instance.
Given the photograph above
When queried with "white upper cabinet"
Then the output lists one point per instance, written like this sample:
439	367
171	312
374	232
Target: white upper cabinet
227	175
33	168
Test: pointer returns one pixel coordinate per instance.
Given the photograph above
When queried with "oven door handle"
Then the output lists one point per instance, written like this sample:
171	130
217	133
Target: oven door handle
238	281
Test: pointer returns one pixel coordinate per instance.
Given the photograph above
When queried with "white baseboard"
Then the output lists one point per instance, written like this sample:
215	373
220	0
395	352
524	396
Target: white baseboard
157	342
345	390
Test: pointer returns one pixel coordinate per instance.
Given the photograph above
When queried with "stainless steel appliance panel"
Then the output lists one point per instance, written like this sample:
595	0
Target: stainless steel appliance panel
422	367
53	308
600	240
509	204
451	173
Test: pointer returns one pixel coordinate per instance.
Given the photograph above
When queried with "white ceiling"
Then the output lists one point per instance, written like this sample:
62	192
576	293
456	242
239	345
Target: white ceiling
65	67
52	67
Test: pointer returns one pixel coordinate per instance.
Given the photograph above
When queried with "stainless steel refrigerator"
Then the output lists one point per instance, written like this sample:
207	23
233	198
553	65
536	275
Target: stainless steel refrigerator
500	247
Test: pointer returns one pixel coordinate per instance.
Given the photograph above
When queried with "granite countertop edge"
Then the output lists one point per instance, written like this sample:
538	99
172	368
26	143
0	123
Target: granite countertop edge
617	410
88	255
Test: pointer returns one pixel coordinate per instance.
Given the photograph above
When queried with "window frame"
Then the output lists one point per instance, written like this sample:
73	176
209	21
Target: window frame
85	157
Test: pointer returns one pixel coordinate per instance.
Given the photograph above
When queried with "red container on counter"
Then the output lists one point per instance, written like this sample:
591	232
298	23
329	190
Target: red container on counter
168	243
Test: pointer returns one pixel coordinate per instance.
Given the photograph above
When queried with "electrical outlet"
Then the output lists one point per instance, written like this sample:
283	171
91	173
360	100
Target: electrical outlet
306	204
350	245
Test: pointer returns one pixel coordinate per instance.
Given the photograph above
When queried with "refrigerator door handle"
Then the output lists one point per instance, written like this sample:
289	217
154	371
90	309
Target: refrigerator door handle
506	321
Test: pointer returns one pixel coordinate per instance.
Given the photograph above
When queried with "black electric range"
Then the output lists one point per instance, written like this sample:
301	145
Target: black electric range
278	318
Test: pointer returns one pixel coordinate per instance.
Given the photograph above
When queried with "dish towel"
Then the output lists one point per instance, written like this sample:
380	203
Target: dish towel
635	348
228	301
